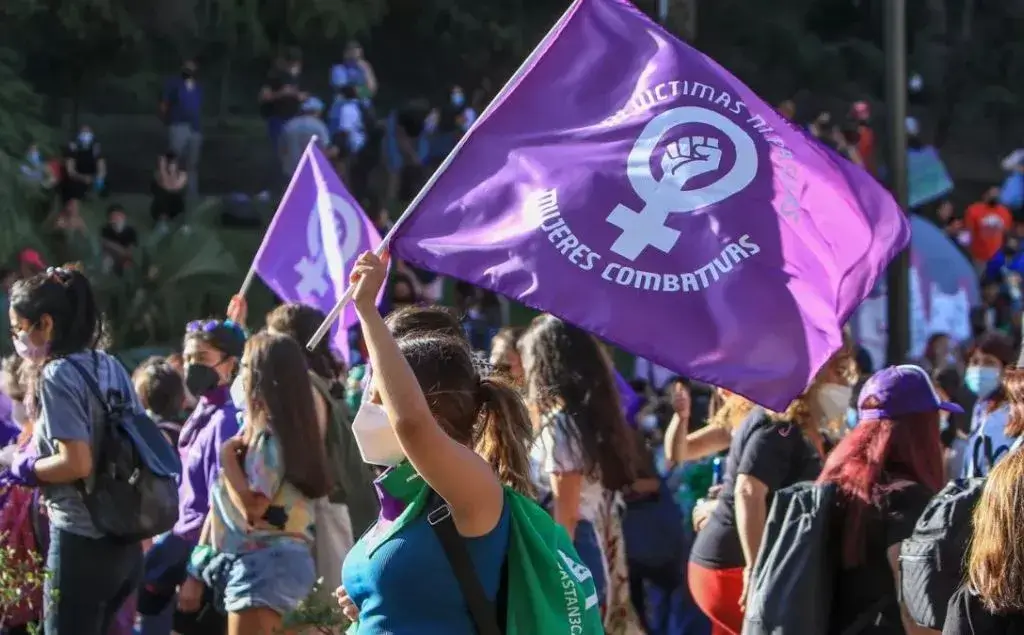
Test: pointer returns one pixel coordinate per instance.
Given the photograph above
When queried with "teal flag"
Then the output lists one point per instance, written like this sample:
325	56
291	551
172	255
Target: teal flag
927	175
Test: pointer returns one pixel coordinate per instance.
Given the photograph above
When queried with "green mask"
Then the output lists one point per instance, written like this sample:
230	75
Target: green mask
397	488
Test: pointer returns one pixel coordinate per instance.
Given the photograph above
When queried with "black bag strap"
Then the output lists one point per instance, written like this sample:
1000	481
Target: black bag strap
481	609
100	422
981	444
92	382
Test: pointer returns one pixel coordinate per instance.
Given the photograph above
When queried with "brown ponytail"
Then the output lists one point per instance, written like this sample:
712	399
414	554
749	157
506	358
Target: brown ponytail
481	412
506	433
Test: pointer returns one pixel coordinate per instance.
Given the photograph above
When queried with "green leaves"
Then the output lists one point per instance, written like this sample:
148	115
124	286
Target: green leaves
318	613
21	573
21	203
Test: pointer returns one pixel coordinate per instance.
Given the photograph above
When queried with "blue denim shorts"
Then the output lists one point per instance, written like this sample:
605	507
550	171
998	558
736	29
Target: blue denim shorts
275	577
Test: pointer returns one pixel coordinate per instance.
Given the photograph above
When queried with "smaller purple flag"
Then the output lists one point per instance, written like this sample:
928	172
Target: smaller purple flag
631	402
315	237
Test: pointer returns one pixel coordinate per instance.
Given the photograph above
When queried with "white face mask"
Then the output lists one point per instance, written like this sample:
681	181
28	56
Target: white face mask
377	441
834	400
238	394
19	413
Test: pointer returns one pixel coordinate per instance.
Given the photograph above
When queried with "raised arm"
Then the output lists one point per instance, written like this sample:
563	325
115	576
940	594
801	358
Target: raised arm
463	478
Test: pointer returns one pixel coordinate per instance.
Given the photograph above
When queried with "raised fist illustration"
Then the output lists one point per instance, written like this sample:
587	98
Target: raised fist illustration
688	157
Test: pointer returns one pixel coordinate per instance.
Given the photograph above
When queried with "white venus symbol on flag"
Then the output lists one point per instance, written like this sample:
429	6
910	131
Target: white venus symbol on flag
314	279
686	158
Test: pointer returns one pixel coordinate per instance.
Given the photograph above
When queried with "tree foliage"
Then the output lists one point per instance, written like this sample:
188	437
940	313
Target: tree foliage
20	125
59	56
968	53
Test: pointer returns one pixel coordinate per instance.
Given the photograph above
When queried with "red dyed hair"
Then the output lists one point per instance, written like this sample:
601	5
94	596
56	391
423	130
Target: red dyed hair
870	458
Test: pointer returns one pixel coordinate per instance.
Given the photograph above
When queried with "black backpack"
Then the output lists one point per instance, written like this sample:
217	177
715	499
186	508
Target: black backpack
793	581
932	559
795	565
132	493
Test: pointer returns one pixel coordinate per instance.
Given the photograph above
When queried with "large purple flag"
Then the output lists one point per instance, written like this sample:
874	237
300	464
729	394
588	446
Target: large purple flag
629	184
316	235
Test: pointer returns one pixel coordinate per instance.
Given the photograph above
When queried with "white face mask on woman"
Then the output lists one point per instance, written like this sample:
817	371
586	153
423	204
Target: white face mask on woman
834	400
377	441
238	394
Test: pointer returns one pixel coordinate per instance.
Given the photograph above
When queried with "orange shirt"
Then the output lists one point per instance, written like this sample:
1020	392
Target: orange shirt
866	147
987	225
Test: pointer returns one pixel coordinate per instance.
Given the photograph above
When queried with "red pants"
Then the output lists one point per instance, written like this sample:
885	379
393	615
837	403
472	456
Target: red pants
717	593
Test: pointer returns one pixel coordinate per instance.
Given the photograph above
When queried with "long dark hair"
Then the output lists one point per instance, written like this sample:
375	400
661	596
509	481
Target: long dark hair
280	398
484	413
65	295
566	369
300	321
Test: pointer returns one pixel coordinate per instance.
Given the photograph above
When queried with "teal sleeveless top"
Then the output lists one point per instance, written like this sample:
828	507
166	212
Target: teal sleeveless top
405	586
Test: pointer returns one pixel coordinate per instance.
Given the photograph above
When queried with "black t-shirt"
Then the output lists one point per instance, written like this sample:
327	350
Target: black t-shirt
284	107
966	615
775	453
127	237
86	157
449	121
871	586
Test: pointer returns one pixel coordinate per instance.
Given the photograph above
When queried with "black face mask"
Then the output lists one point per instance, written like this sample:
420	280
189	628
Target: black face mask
200	379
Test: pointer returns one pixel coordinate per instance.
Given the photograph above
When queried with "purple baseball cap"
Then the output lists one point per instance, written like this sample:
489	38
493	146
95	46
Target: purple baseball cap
899	391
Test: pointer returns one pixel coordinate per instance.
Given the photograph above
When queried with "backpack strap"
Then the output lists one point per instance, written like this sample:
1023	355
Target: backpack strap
92	383
85	485
982	444
481	609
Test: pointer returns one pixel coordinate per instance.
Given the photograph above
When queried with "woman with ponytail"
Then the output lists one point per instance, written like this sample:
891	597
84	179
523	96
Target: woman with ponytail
438	432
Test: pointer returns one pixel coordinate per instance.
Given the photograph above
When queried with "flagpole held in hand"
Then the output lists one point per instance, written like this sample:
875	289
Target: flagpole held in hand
386	241
328	322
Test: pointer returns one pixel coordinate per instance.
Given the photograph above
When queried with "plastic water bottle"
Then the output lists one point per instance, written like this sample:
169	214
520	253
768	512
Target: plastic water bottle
717	467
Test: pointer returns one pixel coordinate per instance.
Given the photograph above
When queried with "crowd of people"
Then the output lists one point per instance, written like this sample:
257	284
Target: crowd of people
295	469
666	489
381	158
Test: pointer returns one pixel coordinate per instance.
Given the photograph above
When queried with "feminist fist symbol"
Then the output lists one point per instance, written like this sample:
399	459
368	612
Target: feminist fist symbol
685	158
689	157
